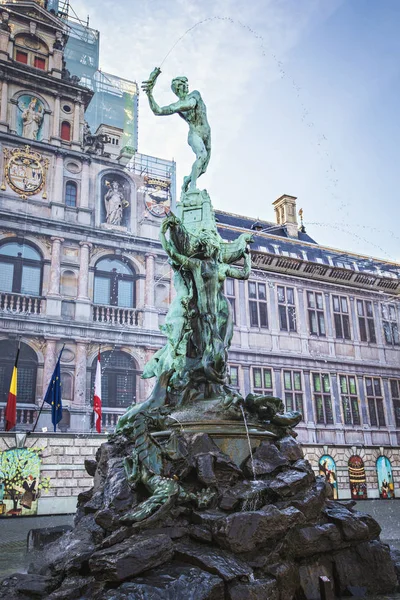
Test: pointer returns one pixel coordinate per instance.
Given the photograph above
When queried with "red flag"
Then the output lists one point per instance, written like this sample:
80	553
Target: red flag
97	395
11	408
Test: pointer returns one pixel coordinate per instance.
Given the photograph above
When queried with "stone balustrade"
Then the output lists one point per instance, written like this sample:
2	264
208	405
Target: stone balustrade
25	417
20	303
115	315
110	419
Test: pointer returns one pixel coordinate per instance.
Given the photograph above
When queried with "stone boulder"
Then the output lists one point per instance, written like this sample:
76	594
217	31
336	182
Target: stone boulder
175	581
368	565
266	459
247	531
131	557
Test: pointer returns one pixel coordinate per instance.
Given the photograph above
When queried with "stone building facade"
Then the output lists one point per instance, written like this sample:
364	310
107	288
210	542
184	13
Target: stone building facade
81	266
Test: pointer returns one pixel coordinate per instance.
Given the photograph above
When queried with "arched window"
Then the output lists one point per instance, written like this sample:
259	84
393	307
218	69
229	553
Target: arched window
66	386
385	478
327	468
71	193
358	482
20	269
68	284
66	131
162	296
118	379
27	370
114	283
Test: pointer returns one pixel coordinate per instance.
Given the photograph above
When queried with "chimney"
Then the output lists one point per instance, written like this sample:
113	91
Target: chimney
286	214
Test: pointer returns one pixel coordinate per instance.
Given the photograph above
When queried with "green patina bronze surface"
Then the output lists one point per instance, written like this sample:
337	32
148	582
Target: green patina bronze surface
191	368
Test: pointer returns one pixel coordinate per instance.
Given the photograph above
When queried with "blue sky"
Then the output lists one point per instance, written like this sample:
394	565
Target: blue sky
308	108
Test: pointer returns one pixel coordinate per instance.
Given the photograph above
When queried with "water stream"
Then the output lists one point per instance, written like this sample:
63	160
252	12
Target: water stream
249	442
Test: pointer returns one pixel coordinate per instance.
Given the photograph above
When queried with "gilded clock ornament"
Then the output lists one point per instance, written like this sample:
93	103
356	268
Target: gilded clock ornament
25	171
157	195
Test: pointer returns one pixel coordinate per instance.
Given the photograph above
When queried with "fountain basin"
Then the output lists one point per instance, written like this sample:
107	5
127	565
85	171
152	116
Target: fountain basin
229	436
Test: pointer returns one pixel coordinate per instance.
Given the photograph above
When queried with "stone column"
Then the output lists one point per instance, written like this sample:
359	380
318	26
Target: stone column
56	117
58	182
84	271
84	195
149	282
80	374
4	101
148	383
50	360
77	114
55	267
246	380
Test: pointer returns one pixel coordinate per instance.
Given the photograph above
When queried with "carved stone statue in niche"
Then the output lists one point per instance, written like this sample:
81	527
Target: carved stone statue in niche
115	202
32	118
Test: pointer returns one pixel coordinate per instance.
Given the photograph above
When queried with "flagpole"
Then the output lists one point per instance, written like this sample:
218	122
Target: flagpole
41	408
13	405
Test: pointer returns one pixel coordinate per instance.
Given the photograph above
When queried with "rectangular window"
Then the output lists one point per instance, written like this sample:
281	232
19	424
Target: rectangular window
293	391
395	393
39	63
230	295
375	402
322	398
262	381
125	293
30	283
101	290
258	304
21	57
6	276
234	376
366	321
341	317
348	391
390	325
316	317
286	308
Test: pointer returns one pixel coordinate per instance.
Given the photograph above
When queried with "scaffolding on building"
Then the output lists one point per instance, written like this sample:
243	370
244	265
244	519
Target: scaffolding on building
115	100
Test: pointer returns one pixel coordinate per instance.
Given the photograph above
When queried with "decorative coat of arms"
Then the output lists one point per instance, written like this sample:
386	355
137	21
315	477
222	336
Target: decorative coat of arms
25	171
157	196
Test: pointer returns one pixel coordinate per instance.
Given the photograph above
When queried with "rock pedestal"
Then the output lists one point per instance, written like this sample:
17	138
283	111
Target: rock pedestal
222	536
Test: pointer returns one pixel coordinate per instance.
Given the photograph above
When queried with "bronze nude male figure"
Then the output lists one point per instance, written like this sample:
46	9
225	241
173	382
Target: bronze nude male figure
192	109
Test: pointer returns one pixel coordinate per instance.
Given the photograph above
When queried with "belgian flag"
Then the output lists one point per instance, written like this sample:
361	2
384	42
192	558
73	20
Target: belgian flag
11	408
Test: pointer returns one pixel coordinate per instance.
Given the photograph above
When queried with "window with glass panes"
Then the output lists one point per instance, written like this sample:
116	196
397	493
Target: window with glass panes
262	381
348	392
70	193
341	317
114	283
20	269
366	321
390	325
395	393
323	398
118	379
286	308
234	376
27	371
375	401
293	391
231	296
258	304
316	317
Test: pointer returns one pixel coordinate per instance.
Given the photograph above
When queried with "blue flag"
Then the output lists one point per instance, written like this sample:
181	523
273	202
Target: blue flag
53	394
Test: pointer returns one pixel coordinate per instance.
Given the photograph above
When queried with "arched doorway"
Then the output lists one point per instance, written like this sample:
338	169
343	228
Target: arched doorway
27	371
118	379
385	478
327	468
358	482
